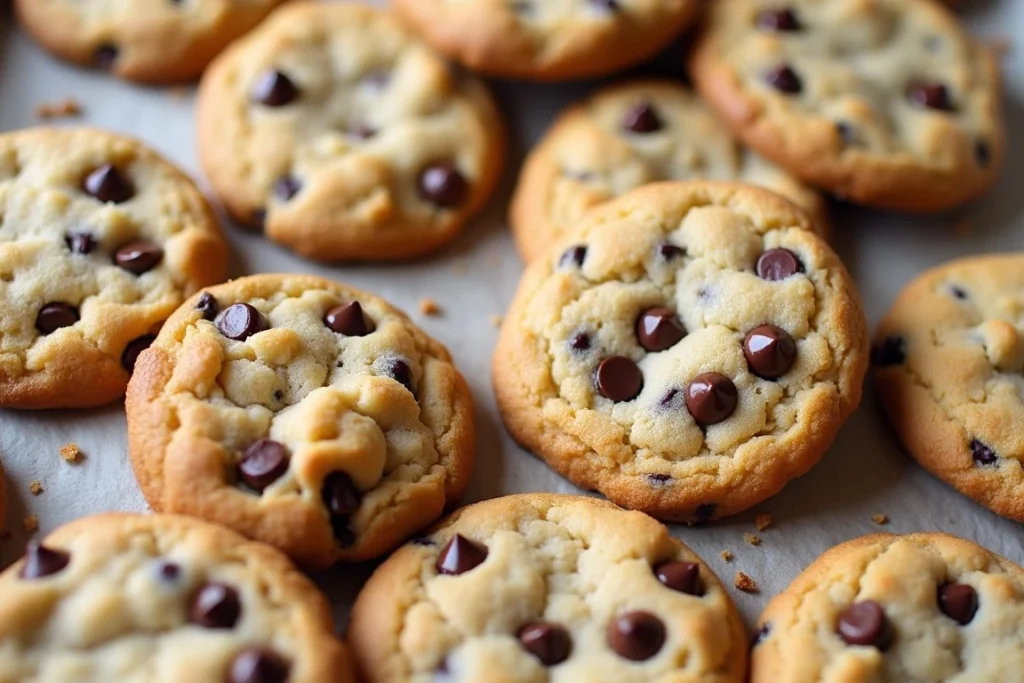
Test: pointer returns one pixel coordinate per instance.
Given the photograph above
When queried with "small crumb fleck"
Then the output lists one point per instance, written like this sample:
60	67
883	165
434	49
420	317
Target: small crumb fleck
71	452
727	556
763	521
745	583
495	320
429	307
880	519
752	539
63	109
36	488
31	523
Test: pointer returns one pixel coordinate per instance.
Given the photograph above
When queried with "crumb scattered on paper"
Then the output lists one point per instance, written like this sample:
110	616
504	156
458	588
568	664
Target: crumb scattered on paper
36	488
71	452
880	519
495	320
63	109
429	307
751	539
763	521
745	583
31	523
727	556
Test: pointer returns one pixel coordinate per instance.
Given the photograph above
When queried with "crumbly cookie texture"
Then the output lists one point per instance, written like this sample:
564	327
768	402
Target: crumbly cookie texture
542	587
344	137
887	103
547	40
162	599
101	239
303	413
916	609
154	41
626	136
947	359
686	352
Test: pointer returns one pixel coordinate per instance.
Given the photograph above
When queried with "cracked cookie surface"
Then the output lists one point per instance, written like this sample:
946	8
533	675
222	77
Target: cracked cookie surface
154	41
686	352
303	413
162	599
344	137
887	103
948	363
101	239
626	136
917	608
542	587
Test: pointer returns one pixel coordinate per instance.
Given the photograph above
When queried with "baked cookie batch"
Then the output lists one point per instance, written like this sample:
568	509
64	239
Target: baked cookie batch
684	341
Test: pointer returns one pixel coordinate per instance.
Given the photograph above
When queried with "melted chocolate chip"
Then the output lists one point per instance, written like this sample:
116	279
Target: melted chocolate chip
670	251
680	576
618	378
658	329
349	320
636	636
550	643
216	605
263	463
711	398
55	315
256	665
959	602
340	494
891	351
130	355
241	321
770	351
573	256
286	187
784	79
783	19
642	119
982	454
41	561
579	342
865	623
208	306
274	89
443	185
80	242
778	264
930	95
460	555
105	56
139	257
400	371
108	185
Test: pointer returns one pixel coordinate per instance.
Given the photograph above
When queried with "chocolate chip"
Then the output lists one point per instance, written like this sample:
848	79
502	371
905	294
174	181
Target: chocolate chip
982	454
783	19
349	320
256	665
778	264
573	256
865	623
208	306
580	341
958	292
847	132
705	512
216	605
784	79
959	602
54	316
443	185
360	131
343	532
80	242
636	636
618	378
340	495
670	251
770	351
400	371
278	395
671	398
286	187
241	321
41	561
761	634
659	478
607	5
423	541
168	571
263	463
658	329
930	95
642	118
550	643
680	576
274	89
139	256
105	56
107	184
982	153
130	355
891	351
711	398
460	555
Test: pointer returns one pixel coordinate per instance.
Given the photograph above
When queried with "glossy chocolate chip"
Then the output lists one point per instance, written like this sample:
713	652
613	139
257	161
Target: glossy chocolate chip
274	89
139	256
959	602
256	665
41	561
574	256
208	306
778	264
982	454
443	185
263	463
642	118
711	398
105	56
669	252
54	316
784	79
579	342
659	328
636	636
460	555
80	242
349	319
130	355
930	95
982	153
548	642
680	576
340	494
241	321
865	623
286	187
108	184
783	19
891	351
216	605
400	371
770	351
618	378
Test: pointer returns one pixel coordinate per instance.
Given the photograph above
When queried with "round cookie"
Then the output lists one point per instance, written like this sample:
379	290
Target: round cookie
101	240
686	352
626	136
543	587
947	359
303	413
164	599
154	41
916	609
344	137
885	103
548	40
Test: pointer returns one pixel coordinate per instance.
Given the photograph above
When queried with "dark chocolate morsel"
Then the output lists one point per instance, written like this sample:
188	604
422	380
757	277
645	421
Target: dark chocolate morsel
42	561
460	555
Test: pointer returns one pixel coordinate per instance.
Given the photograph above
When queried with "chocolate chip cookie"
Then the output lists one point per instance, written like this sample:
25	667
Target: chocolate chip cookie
344	137
689	349
545	40
154	41
916	609
303	413
101	239
948	359
543	587
887	103
121	597
626	136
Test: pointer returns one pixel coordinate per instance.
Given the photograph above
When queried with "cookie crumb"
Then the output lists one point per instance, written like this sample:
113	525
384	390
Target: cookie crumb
763	521
751	539
36	487
67	108
880	519
495	320
429	307
71	452
727	556
31	523
745	583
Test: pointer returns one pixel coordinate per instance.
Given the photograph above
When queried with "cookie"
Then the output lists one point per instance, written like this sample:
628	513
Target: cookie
101	240
344	137
153	41
689	349
543	587
161	598
626	136
303	413
916	609
548	41
947	359
886	103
